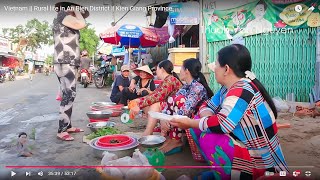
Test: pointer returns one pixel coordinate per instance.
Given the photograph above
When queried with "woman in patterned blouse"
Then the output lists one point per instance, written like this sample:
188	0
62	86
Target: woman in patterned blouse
170	85
185	102
238	132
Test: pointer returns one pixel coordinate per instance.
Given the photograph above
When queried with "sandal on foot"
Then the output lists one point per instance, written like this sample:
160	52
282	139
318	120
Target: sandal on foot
66	137
76	130
174	151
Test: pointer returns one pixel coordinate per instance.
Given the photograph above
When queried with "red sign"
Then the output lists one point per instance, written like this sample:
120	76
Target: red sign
10	62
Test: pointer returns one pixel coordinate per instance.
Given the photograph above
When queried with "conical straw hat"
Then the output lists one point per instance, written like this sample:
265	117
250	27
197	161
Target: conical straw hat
144	68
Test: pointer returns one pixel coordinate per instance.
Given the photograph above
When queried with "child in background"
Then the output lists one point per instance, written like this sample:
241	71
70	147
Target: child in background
23	150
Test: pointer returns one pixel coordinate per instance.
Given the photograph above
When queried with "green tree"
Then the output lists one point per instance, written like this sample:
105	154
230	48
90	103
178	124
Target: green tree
49	60
89	40
29	37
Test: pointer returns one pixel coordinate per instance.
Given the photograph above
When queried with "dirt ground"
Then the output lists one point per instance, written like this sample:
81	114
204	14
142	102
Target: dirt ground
301	143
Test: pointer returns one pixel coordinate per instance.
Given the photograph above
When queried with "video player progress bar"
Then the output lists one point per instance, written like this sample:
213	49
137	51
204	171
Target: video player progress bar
167	167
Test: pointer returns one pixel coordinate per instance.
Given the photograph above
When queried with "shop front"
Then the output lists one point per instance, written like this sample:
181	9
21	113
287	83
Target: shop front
7	59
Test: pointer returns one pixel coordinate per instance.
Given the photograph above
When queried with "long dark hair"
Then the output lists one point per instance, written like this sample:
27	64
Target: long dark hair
194	67
168	67
238	58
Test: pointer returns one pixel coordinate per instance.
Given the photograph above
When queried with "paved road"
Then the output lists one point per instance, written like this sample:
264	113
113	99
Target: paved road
26	105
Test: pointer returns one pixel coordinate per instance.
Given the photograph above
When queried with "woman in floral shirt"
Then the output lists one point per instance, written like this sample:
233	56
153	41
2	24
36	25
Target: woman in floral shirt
185	102
152	102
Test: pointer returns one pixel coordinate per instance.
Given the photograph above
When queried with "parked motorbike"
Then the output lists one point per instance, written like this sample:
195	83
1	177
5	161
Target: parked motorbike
20	72
12	77
84	77
2	75
100	76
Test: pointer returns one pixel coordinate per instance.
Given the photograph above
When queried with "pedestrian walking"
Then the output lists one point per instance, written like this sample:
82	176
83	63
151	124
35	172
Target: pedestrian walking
30	69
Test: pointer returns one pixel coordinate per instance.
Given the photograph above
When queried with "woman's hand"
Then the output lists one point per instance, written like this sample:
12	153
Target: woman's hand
183	123
132	87
143	89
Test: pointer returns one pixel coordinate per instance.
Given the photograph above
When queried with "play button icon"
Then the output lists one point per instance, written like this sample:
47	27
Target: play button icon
13	173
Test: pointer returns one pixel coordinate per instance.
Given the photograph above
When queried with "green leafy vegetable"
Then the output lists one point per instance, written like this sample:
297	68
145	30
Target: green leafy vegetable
103	132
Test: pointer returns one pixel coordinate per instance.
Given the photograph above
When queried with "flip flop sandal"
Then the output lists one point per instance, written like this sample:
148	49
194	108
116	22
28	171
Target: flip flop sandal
304	112
77	130
283	125
174	151
66	137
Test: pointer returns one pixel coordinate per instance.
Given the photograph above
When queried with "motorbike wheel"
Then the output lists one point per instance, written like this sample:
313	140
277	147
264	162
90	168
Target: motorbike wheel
98	81
84	81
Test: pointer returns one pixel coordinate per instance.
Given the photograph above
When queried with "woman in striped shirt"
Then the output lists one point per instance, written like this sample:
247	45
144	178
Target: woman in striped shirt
238	132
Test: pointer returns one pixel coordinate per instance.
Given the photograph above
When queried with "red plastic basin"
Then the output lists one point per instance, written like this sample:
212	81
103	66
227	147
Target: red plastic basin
122	140
98	120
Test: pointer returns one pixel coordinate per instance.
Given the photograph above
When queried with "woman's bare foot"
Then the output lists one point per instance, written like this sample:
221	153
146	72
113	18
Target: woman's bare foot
65	136
168	141
171	145
146	133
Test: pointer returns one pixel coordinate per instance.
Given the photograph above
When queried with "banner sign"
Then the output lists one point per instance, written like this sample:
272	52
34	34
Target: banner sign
116	51
254	18
4	45
187	13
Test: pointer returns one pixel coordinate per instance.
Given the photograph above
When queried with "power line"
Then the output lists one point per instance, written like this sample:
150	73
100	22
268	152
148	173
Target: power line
126	12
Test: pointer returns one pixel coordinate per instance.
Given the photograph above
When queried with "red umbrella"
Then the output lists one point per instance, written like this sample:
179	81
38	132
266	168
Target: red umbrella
130	35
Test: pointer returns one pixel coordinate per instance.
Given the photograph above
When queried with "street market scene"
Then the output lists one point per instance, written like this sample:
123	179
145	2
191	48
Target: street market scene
155	90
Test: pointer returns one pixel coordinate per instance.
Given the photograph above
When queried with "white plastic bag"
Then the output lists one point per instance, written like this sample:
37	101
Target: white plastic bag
108	160
138	159
125	161
280	104
142	159
184	177
107	157
139	173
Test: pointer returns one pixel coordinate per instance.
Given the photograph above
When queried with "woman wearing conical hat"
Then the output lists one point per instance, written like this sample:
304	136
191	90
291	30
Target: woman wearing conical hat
140	86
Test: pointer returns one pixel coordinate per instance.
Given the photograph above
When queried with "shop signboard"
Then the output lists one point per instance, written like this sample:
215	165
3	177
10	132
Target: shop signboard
4	45
256	18
187	13
116	51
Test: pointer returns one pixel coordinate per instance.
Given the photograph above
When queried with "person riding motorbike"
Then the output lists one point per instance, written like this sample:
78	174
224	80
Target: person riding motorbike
85	63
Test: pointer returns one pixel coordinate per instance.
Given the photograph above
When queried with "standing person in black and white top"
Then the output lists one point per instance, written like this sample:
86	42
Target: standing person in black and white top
140	86
66	60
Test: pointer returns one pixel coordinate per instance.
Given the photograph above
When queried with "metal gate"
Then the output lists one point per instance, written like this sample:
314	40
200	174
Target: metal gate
284	62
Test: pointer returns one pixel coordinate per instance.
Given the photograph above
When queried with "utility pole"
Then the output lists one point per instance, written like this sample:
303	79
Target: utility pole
113	11
113	14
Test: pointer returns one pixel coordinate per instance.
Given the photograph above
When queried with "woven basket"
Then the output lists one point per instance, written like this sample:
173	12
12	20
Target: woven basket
196	155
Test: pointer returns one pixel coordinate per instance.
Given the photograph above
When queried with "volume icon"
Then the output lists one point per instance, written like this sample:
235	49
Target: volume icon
40	173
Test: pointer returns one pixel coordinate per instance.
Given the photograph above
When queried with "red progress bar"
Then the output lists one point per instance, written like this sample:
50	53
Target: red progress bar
90	167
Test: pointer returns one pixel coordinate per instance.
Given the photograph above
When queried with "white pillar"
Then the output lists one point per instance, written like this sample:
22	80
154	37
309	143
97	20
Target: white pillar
202	41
